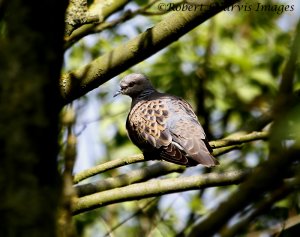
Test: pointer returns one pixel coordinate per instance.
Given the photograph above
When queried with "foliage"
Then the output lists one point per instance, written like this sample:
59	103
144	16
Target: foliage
229	69
239	71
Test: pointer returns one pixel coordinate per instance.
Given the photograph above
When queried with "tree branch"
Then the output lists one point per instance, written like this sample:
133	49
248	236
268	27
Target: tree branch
76	14
77	83
286	85
284	101
224	150
266	177
265	204
156	188
239	138
97	28
136	213
105	11
65	223
135	176
284	228
224	146
107	166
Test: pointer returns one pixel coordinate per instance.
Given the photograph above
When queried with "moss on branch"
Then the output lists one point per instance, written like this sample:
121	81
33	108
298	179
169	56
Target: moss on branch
104	10
239	139
223	146
77	83
107	166
156	188
139	175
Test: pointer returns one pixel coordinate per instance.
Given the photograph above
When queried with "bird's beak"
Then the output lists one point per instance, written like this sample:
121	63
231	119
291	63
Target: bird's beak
118	93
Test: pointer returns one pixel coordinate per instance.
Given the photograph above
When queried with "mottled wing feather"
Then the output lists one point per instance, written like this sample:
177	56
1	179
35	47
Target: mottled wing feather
174	154
189	134
167	127
146	125
195	147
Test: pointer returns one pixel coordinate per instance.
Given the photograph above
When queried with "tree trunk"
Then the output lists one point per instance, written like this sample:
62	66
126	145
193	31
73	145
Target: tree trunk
31	54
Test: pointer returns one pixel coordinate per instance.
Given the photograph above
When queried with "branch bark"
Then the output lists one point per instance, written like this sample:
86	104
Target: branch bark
264	205
77	83
107	166
31	57
224	146
104	10
135	176
264	178
156	188
239	138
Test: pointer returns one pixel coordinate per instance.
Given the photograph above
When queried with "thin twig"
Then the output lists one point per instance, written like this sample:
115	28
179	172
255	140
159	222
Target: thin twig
65	223
140	210
239	139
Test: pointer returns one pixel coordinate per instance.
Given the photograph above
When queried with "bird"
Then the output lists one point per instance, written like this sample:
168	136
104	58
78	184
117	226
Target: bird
164	126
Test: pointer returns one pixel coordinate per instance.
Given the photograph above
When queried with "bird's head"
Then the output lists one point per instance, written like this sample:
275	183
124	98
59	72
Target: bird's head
134	85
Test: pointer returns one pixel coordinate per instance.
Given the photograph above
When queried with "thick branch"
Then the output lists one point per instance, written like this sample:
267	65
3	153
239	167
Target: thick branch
224	146
77	83
267	176
104	11
102	25
146	173
152	171
264	205
76	14
156	188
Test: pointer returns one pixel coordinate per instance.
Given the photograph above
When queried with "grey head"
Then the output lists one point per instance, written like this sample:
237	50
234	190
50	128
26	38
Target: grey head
135	85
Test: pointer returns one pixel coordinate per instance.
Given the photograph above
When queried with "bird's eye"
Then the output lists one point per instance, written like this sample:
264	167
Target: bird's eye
131	84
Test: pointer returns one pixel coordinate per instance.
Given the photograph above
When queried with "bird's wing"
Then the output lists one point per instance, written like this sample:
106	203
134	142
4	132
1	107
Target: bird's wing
187	132
169	128
146	124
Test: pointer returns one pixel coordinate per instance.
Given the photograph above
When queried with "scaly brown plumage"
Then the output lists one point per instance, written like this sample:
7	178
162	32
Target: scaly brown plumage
164	126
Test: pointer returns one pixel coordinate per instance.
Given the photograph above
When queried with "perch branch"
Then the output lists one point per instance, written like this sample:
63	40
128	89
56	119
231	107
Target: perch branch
139	175
224	146
154	188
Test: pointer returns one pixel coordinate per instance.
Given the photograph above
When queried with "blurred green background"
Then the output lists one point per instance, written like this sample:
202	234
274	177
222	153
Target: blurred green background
229	70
